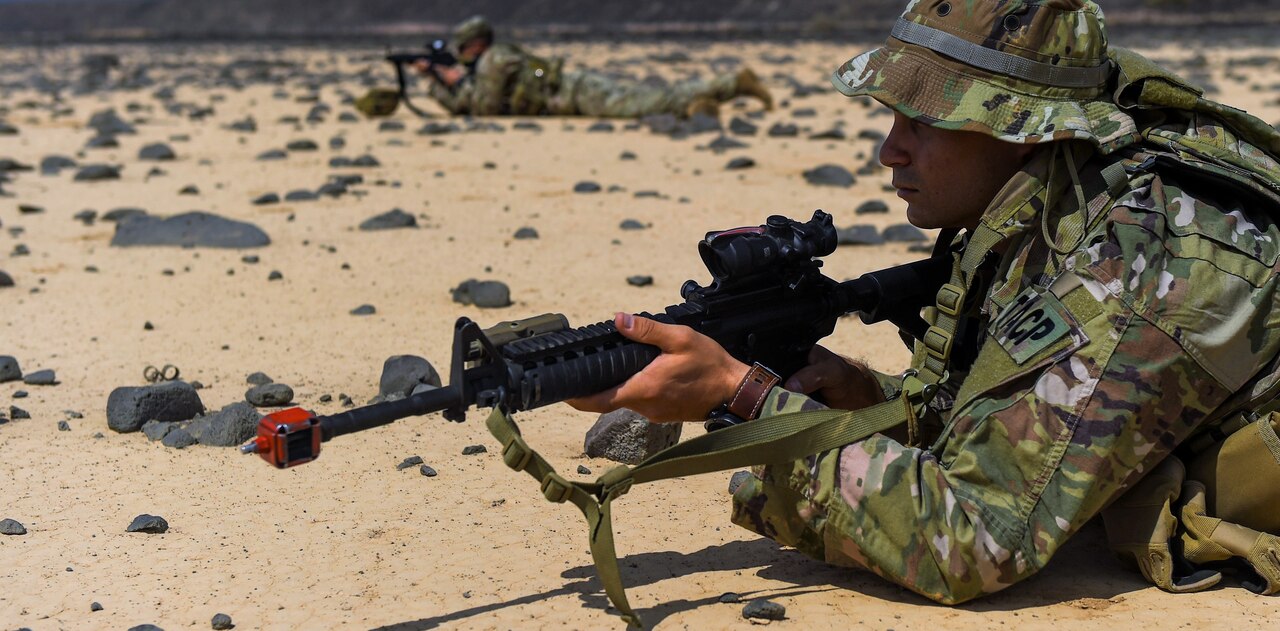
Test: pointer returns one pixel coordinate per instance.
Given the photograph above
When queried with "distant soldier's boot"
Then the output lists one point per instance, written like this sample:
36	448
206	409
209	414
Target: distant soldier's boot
748	84
703	105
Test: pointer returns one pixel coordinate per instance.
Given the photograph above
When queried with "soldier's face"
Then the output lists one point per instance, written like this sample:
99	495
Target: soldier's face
948	178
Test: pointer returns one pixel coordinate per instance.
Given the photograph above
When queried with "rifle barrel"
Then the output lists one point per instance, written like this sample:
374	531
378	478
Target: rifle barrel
388	412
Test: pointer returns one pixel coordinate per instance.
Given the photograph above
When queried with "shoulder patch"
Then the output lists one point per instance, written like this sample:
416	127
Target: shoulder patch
1033	322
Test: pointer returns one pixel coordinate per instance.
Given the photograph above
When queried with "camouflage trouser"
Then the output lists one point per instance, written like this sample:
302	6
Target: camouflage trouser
585	93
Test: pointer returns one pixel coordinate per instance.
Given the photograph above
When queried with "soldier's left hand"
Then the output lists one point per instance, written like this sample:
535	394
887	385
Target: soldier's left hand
692	376
450	75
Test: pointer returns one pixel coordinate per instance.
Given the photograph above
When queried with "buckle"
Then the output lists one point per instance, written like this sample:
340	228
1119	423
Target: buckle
555	488
950	299
937	343
516	454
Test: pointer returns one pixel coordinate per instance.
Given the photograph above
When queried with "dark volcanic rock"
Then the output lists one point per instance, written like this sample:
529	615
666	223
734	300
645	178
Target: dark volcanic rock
402	373
526	233
829	175
601	127
302	145
9	370
631	224
221	622
764	610
11	527
18	414
7	130
273	154
783	130
904	233
586	187
364	310
627	437
742	127
860	234
228	427
301	195
639	281
725	143
265	199
158	152
40	378
120	215
108	123
128	408
156	430
5	279
258	379
411	461
394	218
53	165
438	129
471	450
150	524
427	471
740	163
102	142
97	173
486	294
737	480
269	395
366	160
179	438
873	206
834	133
192	229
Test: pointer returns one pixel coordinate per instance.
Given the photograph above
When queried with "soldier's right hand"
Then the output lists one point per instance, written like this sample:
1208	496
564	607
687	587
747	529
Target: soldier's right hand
842	383
422	66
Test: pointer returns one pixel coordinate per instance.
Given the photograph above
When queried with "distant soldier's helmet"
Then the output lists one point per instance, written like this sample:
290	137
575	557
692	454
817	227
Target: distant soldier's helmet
474	27
1027	72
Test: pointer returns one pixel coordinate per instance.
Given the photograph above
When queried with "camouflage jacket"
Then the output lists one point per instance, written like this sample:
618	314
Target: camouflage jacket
1098	359
506	80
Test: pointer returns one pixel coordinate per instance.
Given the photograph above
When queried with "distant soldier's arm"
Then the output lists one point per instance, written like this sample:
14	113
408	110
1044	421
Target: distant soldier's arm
493	78
456	101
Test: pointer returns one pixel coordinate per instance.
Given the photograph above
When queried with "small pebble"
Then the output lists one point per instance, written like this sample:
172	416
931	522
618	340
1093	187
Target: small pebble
97	606
583	470
221	622
150	524
411	461
11	527
427	471
764	610
471	450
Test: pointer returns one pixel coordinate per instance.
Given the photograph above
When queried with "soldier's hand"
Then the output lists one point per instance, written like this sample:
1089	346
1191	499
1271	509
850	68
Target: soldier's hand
691	377
422	66
842	383
450	75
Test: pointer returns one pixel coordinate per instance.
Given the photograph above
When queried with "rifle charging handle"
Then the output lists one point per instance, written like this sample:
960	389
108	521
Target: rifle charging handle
287	438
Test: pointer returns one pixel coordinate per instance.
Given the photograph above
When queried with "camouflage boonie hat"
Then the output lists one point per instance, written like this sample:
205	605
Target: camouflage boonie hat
474	27
1023	71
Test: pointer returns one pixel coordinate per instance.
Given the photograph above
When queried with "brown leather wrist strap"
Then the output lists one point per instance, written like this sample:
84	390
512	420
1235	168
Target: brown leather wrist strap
753	390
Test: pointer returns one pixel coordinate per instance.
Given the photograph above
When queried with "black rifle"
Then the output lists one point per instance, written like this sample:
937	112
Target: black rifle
768	302
436	54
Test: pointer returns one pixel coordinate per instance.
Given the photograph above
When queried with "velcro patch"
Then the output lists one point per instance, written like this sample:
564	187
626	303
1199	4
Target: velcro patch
1034	321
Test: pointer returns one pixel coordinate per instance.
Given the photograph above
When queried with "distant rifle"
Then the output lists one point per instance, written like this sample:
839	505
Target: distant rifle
768	303
436	54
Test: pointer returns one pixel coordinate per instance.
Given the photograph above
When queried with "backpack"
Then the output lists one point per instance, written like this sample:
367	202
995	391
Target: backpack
1214	505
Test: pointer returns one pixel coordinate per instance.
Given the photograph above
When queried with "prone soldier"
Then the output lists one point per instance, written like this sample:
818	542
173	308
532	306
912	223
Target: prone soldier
498	78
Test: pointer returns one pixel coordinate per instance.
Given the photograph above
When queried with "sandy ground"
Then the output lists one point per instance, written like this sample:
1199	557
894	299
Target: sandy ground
349	541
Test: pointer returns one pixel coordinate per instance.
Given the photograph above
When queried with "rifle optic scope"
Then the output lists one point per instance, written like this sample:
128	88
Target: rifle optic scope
779	244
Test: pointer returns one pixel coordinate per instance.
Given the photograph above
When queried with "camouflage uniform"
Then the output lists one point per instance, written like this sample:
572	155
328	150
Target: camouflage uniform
1118	318
507	80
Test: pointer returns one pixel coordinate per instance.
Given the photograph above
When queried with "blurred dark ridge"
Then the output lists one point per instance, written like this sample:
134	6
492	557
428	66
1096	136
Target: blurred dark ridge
114	20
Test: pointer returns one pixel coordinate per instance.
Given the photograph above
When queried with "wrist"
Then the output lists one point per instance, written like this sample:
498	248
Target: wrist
751	391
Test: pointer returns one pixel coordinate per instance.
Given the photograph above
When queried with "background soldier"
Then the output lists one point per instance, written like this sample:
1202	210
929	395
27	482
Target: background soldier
1113	297
497	79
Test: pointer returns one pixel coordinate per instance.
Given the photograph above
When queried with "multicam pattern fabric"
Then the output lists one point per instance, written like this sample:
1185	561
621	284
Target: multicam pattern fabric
498	77
1173	301
926	85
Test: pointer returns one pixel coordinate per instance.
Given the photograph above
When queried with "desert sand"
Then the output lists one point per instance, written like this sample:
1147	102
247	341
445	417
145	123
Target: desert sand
349	541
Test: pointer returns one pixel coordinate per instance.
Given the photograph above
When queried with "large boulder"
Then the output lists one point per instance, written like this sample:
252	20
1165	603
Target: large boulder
128	408
627	437
402	373
228	427
193	229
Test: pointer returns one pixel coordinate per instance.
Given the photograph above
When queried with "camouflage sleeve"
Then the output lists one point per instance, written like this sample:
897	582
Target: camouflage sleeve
456	101
1040	438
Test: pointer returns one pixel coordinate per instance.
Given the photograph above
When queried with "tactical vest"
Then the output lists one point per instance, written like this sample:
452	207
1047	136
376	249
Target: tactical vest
1225	501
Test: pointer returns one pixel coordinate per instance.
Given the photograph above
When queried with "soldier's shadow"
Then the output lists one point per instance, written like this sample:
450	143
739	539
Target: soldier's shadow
1083	569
